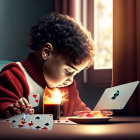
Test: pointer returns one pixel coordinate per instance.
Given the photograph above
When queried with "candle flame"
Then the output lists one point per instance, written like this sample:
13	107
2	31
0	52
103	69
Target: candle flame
54	96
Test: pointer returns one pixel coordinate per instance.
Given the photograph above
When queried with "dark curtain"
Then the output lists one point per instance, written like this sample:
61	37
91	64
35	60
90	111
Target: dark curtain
126	49
65	7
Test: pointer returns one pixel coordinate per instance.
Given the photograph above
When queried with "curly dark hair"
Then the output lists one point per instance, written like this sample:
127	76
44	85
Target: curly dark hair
67	36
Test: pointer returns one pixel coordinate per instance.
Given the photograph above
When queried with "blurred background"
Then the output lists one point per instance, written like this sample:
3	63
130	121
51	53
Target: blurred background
109	29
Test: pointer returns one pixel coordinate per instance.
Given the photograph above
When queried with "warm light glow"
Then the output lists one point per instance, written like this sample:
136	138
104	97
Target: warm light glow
97	114
54	96
64	96
90	114
103	33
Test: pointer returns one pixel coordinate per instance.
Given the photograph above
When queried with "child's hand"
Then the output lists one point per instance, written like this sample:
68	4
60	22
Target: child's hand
22	105
107	112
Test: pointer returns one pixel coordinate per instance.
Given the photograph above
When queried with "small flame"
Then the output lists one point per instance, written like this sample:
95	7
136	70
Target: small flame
54	96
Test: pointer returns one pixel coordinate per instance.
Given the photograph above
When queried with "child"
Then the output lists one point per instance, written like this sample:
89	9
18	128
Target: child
60	48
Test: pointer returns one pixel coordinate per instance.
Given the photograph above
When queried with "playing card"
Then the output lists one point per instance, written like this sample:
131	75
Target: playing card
34	99
36	121
19	124
14	119
64	122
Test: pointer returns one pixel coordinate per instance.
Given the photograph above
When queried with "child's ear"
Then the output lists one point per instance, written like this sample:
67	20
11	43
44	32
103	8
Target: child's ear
46	50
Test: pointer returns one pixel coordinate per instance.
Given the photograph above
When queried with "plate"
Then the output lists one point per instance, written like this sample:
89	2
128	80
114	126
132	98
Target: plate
88	120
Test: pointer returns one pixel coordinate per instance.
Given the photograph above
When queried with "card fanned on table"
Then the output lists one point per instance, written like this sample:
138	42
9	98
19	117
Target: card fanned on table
35	121
64	122
14	119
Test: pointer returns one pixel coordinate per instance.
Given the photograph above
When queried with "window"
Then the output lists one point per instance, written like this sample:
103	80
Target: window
103	33
97	17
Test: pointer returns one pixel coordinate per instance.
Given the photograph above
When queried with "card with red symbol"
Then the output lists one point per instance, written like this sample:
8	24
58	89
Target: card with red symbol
64	122
14	119
36	122
34	99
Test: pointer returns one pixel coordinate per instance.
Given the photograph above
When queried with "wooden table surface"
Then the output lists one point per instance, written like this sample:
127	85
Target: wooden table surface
117	128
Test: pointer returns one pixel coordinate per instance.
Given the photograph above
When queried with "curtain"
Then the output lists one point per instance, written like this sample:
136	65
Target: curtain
65	7
126	49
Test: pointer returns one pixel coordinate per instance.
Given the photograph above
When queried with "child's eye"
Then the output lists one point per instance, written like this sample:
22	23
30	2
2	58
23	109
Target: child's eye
68	72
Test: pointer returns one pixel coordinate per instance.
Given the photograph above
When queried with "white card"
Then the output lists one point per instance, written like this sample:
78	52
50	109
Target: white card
37	122
14	119
34	99
64	122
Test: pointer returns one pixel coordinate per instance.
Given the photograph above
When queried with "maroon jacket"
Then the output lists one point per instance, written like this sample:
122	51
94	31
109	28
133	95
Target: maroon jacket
13	86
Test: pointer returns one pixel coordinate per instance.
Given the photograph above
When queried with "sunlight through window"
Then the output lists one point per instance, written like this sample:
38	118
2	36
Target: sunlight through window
103	33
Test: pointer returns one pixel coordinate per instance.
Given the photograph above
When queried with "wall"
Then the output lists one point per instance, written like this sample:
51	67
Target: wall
16	19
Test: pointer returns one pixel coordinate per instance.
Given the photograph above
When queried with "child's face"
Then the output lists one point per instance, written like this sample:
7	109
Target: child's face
59	72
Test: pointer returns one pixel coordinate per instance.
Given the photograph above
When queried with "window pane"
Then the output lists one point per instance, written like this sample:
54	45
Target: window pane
103	33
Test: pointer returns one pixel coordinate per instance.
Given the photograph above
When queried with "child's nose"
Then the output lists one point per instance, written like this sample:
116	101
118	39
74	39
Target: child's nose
69	81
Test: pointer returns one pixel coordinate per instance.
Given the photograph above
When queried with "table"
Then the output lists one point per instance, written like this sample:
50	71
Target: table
119	127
